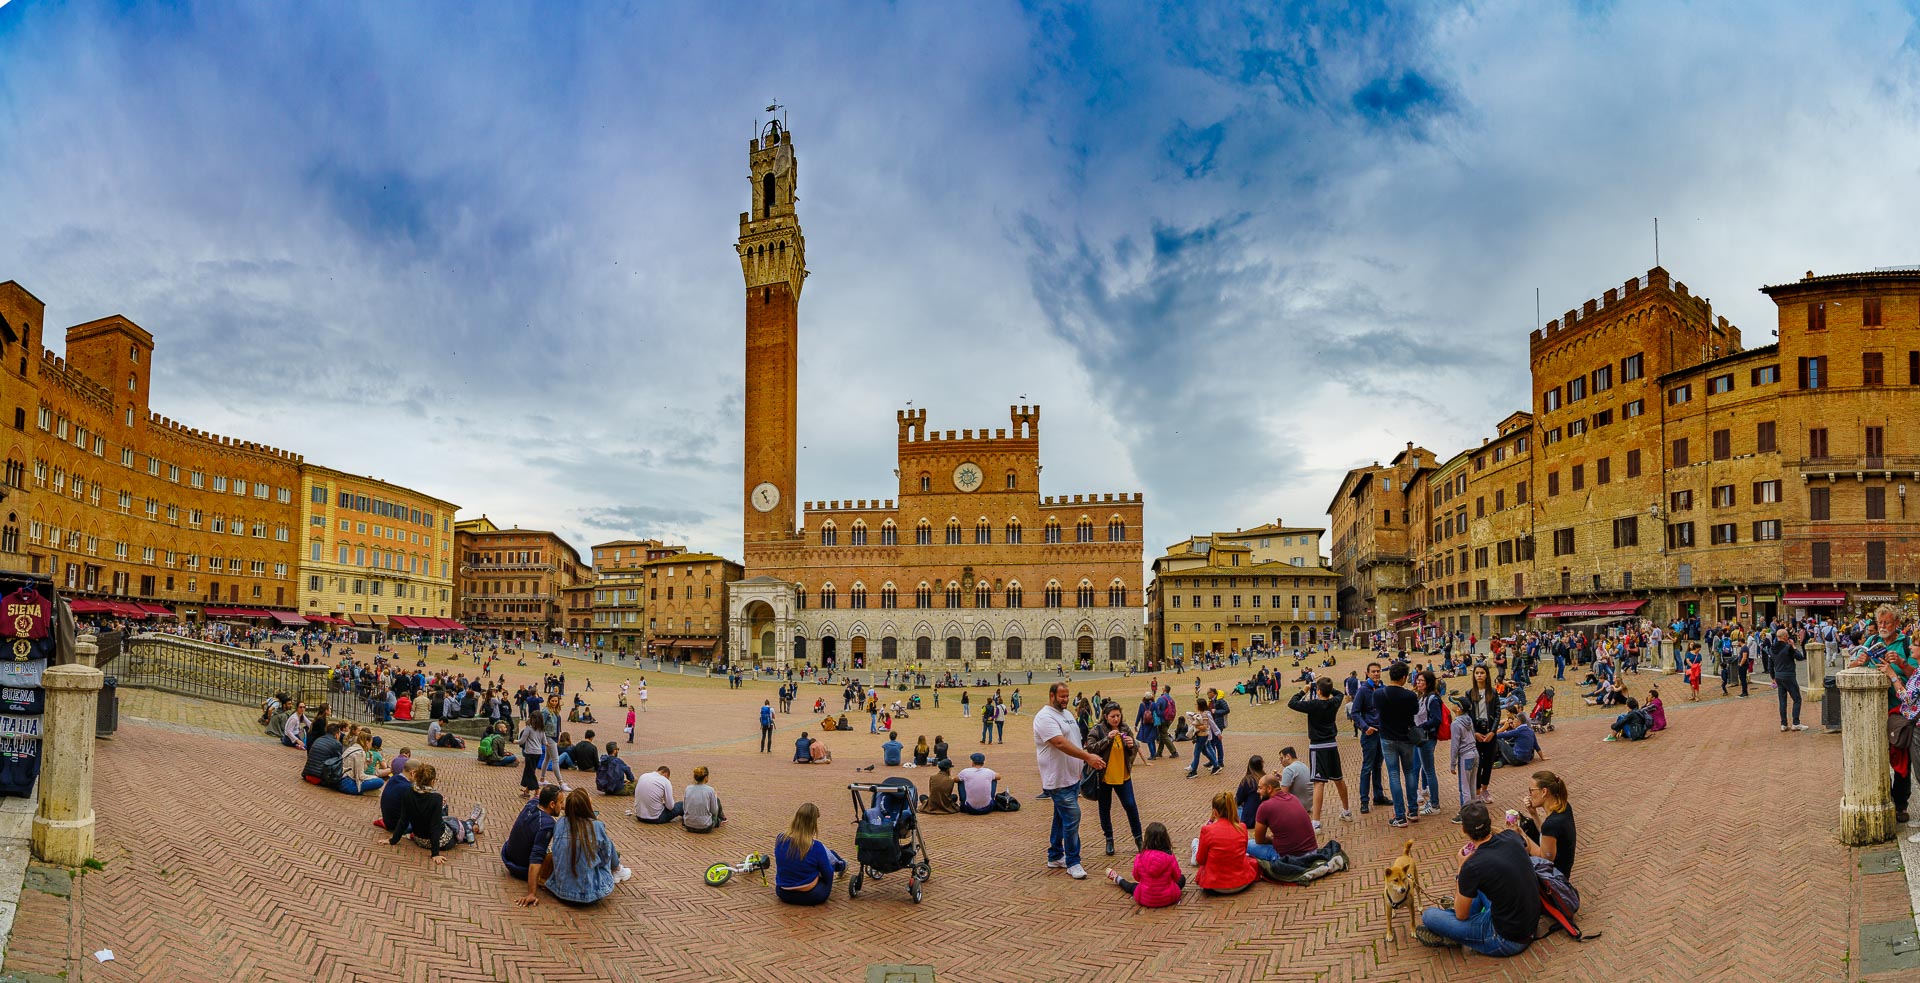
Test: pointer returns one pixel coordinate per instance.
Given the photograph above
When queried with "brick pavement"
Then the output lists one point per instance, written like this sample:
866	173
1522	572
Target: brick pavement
222	865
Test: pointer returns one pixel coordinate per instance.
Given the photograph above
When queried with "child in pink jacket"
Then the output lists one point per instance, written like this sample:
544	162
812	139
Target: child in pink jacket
1157	879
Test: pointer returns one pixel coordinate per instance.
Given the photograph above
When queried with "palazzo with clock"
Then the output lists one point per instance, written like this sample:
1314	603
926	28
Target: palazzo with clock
966	567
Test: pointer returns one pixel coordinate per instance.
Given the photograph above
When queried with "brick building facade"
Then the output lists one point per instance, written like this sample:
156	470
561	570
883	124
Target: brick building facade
510	581
371	549
1371	552
967	565
1667	471
1229	592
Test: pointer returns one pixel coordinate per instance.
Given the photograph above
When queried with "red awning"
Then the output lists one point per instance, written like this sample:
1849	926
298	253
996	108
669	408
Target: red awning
127	609
287	618
1605	609
159	610
1801	598
325	619
452	624
236	613
1409	616
402	621
87	605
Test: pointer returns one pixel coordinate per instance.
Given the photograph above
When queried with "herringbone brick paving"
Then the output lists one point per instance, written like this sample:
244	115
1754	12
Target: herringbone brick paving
1706	854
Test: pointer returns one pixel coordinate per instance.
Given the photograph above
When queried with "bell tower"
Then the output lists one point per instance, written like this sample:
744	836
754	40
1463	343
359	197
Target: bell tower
773	261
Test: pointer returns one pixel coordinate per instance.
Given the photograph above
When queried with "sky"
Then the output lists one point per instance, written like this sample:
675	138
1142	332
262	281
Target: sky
485	250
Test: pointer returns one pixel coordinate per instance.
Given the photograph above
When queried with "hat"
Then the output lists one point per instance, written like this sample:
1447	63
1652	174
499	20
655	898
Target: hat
979	759
944	764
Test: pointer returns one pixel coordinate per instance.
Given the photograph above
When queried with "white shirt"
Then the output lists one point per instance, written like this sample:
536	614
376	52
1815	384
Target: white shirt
652	795
1058	769
979	783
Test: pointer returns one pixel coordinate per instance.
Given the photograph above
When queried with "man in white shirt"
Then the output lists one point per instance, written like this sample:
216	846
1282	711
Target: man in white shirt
977	787
653	798
1056	746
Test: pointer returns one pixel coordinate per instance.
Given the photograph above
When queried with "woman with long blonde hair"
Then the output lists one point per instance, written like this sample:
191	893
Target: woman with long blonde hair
804	868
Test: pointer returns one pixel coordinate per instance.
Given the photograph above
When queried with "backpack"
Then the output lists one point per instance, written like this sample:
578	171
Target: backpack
1006	802
487	744
1446	719
1634	728
1559	902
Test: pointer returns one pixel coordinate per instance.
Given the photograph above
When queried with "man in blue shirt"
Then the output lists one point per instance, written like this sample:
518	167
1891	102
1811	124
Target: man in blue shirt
890	751
527	843
766	725
1367	716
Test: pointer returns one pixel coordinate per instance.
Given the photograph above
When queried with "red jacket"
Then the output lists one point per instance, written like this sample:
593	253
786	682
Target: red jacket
1223	860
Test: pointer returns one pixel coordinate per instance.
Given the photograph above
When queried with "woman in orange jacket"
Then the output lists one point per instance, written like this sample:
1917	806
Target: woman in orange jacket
1221	851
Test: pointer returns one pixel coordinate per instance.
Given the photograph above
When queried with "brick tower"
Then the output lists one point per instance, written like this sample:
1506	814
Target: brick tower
773	261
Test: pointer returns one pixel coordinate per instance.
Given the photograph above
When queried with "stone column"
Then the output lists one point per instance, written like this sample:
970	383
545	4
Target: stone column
1812	672
1866	798
1666	654
63	826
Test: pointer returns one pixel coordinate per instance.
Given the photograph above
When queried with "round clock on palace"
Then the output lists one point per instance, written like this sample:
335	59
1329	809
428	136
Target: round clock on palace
967	477
765	496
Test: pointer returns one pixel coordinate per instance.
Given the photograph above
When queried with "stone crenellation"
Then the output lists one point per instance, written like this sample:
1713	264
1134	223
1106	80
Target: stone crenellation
1656	278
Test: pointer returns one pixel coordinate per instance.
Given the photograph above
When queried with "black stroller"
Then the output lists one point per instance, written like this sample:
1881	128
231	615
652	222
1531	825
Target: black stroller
888	835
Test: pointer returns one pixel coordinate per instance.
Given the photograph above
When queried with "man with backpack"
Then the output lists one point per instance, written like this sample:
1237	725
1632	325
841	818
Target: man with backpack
1163	715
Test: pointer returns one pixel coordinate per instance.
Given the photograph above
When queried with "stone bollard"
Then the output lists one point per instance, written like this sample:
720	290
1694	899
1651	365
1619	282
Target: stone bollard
1666	654
1812	671
63	825
1866	798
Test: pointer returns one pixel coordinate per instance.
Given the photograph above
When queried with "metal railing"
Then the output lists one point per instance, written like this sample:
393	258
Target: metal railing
208	671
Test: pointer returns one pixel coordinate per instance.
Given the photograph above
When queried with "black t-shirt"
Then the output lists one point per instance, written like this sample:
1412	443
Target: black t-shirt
1397	706
1559	825
1501	870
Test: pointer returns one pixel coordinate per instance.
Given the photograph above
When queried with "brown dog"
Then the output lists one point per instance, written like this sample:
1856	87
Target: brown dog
1403	890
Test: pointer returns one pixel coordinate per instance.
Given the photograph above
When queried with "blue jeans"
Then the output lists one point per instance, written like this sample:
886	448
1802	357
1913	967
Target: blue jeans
986	729
1428	774
1372	789
1475	933
1063	840
1560	667
1202	747
1150	737
1403	758
348	785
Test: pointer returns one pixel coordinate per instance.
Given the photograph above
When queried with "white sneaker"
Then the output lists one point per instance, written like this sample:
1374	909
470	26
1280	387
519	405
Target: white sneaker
1799	726
622	874
1077	872
1347	817
1057	864
1316	825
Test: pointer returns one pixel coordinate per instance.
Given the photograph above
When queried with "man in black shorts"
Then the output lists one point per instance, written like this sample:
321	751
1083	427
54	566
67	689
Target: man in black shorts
1496	905
1323	751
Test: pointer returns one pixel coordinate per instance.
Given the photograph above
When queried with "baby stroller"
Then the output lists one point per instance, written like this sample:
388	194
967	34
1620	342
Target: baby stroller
1542	716
888	836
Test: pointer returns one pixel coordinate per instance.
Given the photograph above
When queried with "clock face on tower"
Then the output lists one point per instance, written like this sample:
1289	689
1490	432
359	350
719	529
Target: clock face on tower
968	476
765	496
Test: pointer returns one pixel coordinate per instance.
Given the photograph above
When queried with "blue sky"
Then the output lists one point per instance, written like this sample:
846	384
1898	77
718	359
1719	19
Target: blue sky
485	250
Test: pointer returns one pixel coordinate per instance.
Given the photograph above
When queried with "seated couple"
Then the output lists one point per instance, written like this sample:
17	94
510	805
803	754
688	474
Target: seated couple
411	806
975	792
810	751
653	801
574	860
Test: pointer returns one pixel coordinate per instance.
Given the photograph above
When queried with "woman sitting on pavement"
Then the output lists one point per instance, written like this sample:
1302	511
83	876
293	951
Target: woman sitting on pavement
1221	851
941	798
1519	735
1157	880
582	864
804	868
1548	829
357	777
1656	711
701	805
426	819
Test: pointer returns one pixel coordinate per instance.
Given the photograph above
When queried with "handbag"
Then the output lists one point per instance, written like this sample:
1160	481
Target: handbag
1090	783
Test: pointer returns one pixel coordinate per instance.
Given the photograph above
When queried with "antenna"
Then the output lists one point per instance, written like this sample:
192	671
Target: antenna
1536	307
1656	240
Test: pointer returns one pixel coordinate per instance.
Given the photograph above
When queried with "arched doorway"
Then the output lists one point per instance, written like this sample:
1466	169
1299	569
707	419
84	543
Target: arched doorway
1013	650
857	651
983	649
1083	652
762	647
1117	650
829	652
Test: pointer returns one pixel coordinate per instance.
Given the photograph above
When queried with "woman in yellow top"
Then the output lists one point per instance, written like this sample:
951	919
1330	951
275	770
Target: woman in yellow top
1118	778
